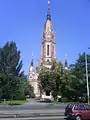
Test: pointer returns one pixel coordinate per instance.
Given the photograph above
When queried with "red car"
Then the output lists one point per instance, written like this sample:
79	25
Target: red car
77	111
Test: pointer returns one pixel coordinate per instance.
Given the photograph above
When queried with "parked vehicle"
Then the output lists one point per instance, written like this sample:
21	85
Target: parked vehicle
46	100
77	111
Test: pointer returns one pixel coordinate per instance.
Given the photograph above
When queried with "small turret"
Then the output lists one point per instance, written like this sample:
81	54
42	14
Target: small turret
32	62
31	69
66	63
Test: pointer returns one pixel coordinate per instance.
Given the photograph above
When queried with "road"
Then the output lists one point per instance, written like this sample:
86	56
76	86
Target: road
36	118
33	105
32	110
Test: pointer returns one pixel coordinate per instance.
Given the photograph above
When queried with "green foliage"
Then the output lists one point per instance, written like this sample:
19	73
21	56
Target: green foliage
29	90
78	84
50	79
70	83
10	62
13	102
12	79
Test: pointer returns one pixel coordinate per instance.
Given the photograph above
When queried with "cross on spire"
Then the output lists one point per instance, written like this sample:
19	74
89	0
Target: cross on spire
48	13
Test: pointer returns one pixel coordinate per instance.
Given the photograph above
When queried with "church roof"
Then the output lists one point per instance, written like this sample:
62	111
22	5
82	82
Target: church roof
32	62
48	23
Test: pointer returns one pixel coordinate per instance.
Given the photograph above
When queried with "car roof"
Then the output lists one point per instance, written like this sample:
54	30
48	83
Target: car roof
78	104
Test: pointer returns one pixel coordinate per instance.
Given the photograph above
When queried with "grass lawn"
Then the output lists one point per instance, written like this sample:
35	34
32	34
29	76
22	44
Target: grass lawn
13	102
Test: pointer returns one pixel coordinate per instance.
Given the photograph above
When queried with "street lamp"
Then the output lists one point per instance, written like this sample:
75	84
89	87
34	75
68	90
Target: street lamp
87	76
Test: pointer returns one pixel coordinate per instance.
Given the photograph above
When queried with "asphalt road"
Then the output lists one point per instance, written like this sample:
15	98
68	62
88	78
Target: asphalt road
33	110
37	118
32	105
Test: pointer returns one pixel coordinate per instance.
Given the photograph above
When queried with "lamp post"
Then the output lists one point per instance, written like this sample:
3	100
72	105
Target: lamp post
87	77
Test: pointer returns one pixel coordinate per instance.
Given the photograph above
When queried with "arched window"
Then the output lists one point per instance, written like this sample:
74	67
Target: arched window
47	50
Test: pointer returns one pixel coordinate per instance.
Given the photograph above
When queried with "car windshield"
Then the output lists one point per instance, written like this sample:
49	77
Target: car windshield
69	106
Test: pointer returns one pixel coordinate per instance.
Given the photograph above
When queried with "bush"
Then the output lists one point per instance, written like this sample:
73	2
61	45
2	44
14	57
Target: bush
64	99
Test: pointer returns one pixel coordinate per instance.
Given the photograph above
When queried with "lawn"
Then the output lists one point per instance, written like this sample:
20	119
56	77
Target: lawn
13	102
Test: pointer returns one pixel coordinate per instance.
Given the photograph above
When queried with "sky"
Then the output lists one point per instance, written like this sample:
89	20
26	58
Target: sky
23	22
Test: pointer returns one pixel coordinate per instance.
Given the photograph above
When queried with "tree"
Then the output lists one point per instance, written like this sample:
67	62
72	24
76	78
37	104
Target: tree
12	78
78	85
57	73
44	81
28	89
50	79
10	62
69	83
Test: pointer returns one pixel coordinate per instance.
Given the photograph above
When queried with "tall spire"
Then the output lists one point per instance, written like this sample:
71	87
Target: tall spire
48	13
48	42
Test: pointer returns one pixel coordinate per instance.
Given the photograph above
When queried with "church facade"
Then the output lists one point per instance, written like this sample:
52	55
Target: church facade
48	53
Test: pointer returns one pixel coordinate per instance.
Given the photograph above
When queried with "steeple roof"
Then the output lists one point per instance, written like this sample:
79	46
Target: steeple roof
65	60
48	24
31	69
48	33
48	13
32	62
66	63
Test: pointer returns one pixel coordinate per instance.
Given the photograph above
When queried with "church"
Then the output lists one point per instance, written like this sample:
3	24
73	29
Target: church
48	53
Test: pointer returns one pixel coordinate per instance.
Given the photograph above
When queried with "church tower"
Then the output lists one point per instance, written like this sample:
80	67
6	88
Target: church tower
33	79
48	54
48	51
